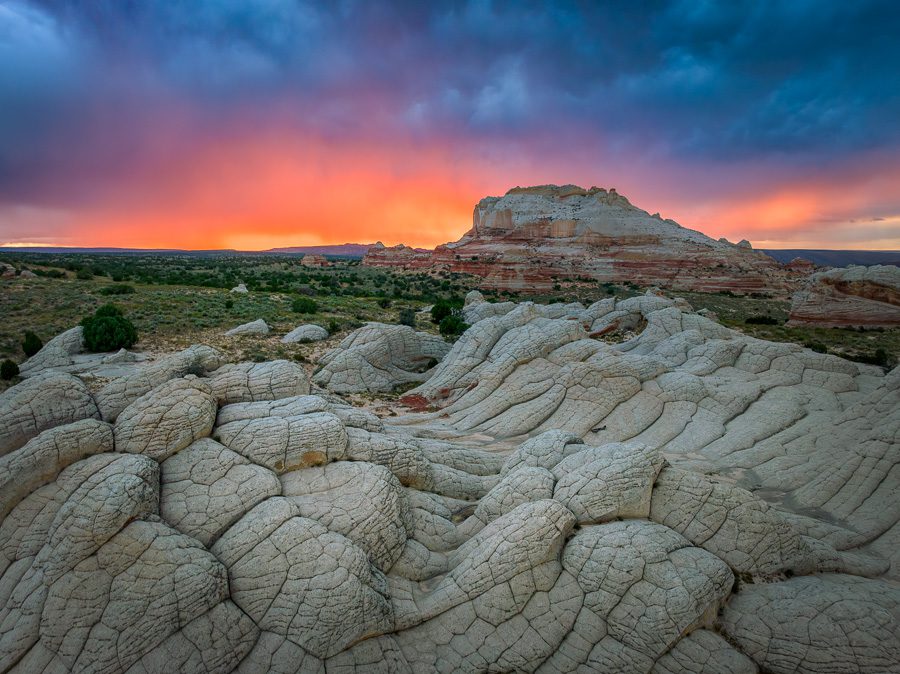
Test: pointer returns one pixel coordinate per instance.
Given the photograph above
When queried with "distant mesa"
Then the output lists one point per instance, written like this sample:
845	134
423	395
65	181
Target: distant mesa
314	261
533	237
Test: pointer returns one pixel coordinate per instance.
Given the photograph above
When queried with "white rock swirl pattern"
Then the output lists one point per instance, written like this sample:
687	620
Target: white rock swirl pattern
690	500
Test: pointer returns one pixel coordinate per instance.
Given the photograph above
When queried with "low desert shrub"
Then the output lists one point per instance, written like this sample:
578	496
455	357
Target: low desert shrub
8	370
818	347
452	326
304	305
761	320
440	311
880	357
50	273
443	308
117	289
31	344
407	317
108	330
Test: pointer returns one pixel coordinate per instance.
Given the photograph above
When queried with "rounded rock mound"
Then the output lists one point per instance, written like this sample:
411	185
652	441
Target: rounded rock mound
229	521
305	333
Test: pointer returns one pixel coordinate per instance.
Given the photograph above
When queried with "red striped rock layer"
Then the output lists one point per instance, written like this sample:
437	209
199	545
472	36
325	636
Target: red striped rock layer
851	296
532	238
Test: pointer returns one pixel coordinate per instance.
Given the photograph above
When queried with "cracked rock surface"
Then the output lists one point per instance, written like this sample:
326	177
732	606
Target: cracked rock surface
379	357
250	382
56	353
686	500
39	403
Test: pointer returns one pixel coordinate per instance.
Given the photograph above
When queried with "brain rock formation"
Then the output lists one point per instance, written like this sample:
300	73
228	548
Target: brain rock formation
378	357
687	499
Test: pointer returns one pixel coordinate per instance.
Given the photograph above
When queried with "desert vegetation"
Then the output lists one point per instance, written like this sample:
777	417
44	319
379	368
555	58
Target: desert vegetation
176	300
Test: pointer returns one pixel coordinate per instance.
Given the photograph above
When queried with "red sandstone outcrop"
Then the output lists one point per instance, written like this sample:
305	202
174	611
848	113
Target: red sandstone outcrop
533	237
849	296
801	264
314	261
402	256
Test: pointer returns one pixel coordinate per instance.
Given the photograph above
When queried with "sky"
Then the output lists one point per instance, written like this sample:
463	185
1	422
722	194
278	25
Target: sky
250	125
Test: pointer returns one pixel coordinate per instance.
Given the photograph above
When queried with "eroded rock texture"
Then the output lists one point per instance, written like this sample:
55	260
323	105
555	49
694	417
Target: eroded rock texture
684	500
39	403
305	333
849	296
122	391
249	382
380	357
56	353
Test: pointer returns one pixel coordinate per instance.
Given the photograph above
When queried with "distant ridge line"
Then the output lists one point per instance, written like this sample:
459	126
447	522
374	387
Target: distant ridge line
835	258
823	257
345	250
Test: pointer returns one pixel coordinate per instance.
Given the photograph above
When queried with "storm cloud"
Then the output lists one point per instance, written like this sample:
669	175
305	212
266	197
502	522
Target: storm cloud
692	105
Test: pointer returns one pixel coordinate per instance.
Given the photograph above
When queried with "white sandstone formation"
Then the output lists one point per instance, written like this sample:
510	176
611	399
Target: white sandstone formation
305	333
39	403
849	296
56	353
257	327
239	288
686	500
116	395
249	382
379	357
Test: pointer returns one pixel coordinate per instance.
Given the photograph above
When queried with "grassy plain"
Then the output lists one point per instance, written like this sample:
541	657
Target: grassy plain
181	300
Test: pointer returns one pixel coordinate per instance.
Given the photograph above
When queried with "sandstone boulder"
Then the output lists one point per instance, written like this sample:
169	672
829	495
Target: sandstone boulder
205	488
295	578
167	419
305	333
257	327
56	353
817	623
380	357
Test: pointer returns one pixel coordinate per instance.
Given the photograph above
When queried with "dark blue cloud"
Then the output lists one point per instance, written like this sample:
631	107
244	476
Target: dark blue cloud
798	82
